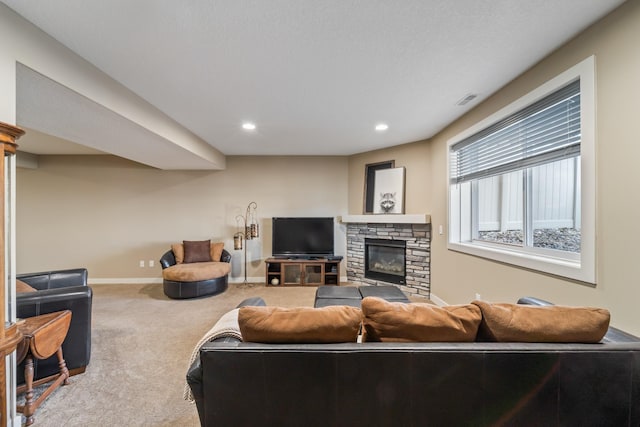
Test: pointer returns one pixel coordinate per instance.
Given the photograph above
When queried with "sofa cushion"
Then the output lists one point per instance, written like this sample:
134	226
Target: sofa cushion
347	292
178	252
386	292
197	251
419	322
300	325
195	272
23	287
525	323
216	250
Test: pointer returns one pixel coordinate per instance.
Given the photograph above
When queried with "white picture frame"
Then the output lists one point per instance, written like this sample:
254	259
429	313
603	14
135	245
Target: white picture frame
389	191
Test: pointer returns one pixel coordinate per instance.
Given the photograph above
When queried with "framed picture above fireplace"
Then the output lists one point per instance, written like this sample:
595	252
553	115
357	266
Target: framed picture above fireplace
369	182
389	191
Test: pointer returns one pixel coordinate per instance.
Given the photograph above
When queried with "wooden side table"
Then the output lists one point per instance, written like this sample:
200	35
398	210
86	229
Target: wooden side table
43	337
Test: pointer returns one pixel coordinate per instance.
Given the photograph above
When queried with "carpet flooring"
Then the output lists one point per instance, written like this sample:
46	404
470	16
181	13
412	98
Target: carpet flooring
141	345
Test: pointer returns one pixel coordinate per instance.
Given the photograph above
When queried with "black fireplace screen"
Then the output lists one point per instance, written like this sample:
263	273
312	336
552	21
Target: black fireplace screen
385	260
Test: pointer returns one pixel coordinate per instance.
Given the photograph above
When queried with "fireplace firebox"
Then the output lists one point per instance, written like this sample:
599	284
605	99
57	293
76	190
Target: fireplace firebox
385	260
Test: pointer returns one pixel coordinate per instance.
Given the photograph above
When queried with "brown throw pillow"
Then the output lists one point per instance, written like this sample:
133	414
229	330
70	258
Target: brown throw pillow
23	287
554	323
178	252
197	251
420	322
216	251
300	325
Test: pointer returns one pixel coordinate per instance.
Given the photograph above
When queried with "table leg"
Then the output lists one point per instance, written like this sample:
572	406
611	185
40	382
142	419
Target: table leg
63	367
28	377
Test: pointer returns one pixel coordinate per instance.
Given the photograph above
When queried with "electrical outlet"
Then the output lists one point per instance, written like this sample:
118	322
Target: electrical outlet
141	263
478	297
151	263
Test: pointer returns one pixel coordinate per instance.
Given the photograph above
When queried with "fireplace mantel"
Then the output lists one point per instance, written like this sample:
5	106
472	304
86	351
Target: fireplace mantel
386	219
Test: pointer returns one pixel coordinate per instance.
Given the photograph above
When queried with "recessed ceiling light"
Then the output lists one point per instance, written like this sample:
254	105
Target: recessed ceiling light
381	127
248	126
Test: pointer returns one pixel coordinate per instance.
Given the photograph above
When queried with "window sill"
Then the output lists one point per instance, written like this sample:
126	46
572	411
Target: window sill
550	265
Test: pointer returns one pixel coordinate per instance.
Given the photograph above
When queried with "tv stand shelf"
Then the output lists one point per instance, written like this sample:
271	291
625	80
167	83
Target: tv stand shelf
302	271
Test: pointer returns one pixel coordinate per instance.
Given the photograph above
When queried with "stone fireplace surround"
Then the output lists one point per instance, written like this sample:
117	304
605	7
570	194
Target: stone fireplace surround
418	251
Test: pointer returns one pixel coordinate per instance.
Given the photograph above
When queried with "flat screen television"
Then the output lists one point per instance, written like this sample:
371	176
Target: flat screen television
302	237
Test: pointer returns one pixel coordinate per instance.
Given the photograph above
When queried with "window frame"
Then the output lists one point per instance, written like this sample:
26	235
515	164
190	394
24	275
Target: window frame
583	267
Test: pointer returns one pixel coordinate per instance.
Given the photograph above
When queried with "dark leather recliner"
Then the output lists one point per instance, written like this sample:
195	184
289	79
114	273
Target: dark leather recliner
59	290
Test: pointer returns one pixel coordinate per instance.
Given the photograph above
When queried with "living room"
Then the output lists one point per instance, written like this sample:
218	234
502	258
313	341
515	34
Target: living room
108	213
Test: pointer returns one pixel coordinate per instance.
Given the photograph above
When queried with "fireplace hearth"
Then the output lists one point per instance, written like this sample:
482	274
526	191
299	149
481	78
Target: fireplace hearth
385	260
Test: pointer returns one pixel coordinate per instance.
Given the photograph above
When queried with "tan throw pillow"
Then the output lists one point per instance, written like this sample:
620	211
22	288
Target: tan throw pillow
418	322
300	325
178	252
23	287
216	251
554	323
197	251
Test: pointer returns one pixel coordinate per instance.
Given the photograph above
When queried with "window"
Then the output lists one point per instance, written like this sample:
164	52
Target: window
522	182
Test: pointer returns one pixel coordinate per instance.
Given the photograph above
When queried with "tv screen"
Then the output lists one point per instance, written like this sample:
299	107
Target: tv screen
302	237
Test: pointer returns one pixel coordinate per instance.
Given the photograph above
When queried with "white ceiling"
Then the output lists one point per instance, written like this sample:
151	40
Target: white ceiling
314	75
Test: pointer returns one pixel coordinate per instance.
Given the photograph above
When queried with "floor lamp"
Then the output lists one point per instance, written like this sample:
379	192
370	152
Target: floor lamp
249	231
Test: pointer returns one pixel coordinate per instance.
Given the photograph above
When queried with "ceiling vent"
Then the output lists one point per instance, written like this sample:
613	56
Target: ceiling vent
467	98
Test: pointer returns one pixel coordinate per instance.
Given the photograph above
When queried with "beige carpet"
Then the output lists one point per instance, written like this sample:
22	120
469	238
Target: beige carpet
141	344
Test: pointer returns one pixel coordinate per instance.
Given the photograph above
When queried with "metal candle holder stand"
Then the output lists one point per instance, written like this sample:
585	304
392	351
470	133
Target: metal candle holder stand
250	231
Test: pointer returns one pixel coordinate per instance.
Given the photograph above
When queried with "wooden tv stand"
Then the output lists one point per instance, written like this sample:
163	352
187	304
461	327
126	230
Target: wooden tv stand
302	271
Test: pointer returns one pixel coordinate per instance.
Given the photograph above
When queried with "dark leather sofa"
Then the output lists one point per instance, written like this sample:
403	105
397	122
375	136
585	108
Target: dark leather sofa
59	290
419	384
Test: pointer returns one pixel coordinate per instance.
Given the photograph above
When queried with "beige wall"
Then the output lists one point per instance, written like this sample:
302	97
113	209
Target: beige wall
456	277
107	214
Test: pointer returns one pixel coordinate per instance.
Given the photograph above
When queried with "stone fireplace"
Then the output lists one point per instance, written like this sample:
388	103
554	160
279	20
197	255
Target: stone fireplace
415	239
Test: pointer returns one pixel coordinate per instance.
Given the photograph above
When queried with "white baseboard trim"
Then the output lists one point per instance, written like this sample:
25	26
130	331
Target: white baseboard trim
249	279
154	280
438	301
125	280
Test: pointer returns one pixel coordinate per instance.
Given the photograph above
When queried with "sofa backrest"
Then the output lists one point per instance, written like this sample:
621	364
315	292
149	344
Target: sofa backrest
55	279
421	384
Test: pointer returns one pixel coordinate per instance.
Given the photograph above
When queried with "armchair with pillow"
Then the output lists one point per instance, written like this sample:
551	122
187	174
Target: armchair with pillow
193	269
51	291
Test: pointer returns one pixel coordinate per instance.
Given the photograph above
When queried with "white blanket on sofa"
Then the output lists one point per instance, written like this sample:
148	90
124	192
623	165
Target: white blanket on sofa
227	326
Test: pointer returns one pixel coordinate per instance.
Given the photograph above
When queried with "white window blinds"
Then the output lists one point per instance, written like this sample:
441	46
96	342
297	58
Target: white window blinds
545	131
